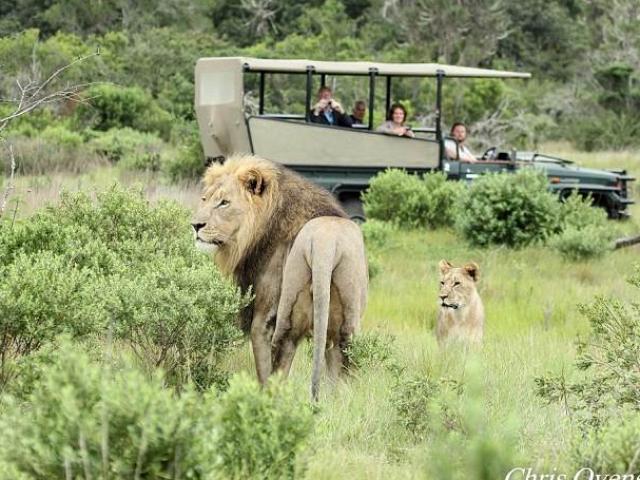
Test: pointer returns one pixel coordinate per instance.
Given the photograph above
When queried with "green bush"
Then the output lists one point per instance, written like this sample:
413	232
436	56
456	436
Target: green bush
82	267
585	233
91	420
186	161
410	201
376	233
131	149
582	243
62	136
609	360
611	450
114	106
261	432
509	209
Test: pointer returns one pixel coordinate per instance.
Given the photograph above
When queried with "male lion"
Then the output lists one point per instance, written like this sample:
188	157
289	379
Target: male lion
461	315
265	225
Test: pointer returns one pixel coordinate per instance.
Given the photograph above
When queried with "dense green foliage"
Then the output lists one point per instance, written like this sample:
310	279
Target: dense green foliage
118	265
411	201
103	421
102	418
132	149
585	230
513	210
583	56
260	433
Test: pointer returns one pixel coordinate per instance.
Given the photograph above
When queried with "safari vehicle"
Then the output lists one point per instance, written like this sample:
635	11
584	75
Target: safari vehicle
343	160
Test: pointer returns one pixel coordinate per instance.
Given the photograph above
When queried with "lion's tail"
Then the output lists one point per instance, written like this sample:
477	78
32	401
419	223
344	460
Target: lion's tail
321	270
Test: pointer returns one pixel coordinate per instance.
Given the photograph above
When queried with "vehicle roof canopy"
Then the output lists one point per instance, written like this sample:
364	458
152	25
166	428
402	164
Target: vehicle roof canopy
365	68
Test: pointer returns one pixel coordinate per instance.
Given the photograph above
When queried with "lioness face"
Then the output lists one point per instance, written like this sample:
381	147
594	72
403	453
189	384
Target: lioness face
223	211
457	285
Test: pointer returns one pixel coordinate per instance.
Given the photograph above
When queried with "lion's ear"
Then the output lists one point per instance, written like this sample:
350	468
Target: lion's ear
254	181
473	270
445	266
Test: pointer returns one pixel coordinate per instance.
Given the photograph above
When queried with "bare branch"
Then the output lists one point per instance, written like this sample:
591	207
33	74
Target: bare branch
32	94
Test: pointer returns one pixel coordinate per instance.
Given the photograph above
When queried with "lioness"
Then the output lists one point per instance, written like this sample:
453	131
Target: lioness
251	212
461	315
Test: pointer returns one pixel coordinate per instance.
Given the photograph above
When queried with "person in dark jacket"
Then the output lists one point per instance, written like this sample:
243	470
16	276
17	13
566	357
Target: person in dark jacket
328	111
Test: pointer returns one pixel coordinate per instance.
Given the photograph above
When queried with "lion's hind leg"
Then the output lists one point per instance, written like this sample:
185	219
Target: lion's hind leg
296	278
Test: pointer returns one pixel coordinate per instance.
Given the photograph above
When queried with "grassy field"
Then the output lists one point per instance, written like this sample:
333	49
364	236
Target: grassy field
531	297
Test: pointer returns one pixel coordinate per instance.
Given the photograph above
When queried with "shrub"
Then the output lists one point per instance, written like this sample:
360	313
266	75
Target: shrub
410	201
82	266
62	136
98	421
114	106
509	209
376	233
36	295
419	403
132	149
260	432
612	449
585	233
372	349
609	360
186	161
582	243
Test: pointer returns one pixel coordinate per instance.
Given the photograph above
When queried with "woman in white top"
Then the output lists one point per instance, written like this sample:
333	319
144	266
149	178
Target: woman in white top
455	147
395	122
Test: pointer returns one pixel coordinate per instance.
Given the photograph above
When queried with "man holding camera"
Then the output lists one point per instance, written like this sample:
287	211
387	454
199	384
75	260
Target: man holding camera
327	111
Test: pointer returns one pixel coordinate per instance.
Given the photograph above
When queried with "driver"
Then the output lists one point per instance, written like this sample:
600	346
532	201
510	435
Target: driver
459	135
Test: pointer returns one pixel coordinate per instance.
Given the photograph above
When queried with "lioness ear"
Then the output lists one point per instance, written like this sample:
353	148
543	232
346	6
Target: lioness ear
473	270
445	266
253	181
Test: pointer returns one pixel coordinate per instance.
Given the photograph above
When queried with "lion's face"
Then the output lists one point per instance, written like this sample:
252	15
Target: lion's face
457	285
233	206
220	214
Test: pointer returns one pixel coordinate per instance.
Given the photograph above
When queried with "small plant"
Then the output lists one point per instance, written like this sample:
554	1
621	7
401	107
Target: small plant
509	209
261	432
422	403
371	350
585	233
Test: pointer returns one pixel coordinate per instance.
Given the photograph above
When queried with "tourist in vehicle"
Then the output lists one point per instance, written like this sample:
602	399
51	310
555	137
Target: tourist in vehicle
458	137
328	111
358	112
395	122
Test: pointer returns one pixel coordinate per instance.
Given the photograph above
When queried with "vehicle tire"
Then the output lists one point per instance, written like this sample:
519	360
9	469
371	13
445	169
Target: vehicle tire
353	207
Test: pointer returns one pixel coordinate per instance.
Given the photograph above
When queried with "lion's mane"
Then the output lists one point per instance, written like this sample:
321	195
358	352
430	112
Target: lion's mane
286	203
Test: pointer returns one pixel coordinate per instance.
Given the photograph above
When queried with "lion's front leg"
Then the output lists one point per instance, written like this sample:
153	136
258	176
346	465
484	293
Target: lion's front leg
261	333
